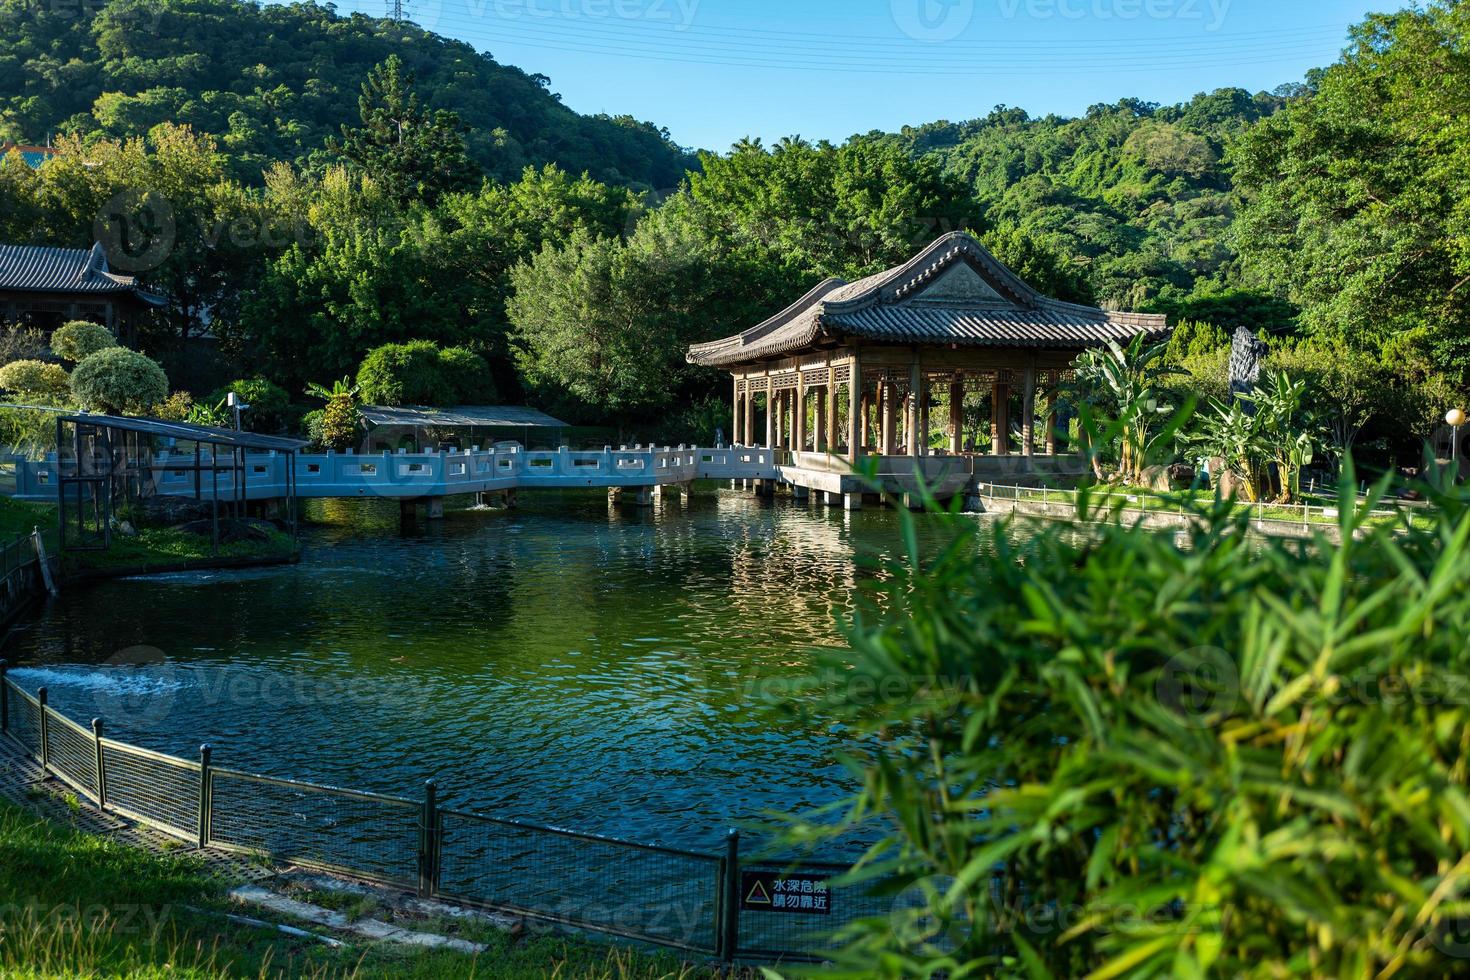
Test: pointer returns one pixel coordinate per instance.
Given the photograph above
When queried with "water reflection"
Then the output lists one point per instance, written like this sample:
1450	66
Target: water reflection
565	662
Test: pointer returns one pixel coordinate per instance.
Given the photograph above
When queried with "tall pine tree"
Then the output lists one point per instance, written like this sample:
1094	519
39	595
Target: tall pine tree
414	154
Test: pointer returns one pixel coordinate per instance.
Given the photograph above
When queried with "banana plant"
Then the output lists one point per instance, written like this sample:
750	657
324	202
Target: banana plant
1122	383
344	389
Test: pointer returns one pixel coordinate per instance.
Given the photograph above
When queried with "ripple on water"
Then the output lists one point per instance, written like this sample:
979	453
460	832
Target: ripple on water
598	668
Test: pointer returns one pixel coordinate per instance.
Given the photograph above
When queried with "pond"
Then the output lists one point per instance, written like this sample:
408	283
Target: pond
570	662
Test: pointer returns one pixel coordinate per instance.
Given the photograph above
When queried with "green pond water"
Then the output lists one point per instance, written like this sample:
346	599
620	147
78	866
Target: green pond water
596	667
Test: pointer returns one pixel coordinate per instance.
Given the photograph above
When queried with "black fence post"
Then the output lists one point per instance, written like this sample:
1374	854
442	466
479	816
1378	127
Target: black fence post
45	729
729	925
4	698
206	791
429	842
101	771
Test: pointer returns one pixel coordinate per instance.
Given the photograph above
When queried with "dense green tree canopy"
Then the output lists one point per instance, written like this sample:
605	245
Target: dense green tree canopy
1358	195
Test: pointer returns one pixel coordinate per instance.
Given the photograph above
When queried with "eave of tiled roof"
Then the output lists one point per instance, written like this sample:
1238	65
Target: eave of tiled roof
44	269
874	308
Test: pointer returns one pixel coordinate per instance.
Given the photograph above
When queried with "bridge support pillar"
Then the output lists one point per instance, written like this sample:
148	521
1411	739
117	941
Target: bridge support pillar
800	493
434	508
852	501
974	504
407	510
508	500
644	497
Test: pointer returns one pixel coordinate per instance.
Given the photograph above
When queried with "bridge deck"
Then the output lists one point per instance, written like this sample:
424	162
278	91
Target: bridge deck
407	476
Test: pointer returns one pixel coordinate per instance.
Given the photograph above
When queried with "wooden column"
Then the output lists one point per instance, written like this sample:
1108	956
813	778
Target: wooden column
735	412
749	426
819	422
771	416
916	413
1028	420
890	419
831	426
1051	422
1000	421
798	421
857	410
957	415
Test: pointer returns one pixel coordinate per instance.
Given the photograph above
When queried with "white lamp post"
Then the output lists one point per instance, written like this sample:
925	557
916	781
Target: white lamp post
1456	419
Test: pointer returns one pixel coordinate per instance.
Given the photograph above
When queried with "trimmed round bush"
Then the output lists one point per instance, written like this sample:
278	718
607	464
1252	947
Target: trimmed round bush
80	339
35	379
270	406
119	380
466	377
402	374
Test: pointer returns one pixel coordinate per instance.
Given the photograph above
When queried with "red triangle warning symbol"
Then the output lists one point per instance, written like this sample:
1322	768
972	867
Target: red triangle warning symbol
758	894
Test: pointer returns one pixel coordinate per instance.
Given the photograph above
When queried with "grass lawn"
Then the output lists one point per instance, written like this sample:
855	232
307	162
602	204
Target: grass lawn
153	547
1142	498
72	904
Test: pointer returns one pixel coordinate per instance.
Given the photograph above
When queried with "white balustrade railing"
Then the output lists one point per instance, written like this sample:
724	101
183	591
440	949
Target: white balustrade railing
404	474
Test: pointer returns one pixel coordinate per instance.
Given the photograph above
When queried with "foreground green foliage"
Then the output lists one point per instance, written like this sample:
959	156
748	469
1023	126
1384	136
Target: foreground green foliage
1118	755
77	905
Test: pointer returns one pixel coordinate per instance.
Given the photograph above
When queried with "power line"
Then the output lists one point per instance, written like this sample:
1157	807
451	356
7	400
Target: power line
615	39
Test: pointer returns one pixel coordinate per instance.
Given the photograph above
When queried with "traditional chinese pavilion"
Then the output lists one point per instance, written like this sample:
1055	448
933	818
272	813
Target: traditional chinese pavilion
914	361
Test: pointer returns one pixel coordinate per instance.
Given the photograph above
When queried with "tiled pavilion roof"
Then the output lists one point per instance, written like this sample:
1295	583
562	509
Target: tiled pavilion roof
953	293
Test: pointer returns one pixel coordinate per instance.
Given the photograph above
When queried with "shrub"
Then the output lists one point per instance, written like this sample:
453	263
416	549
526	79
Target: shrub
270	406
419	373
311	426
20	343
175	408
119	380
80	339
401	374
36	380
467	379
340	421
1088	748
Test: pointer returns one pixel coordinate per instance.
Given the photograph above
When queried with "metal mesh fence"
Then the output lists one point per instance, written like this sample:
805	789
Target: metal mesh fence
155	788
25	720
361	833
656	894
805	934
71	752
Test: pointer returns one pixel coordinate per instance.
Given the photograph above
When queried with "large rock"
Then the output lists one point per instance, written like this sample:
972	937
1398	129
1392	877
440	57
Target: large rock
1156	478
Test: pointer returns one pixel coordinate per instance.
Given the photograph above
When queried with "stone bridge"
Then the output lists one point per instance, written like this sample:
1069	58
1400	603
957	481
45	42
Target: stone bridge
638	473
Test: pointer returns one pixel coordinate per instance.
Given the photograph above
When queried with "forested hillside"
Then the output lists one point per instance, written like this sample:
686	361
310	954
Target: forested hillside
308	188
271	82
1139	194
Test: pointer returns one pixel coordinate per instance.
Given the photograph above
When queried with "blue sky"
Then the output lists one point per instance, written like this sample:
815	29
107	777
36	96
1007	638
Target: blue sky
714	71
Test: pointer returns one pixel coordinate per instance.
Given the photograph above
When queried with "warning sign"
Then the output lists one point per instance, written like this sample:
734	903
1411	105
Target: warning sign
792	894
